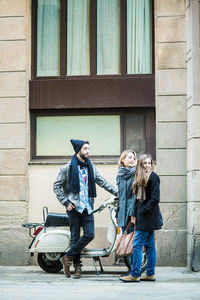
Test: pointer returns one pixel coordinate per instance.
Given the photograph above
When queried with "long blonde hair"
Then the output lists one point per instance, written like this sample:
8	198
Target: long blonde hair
123	156
141	177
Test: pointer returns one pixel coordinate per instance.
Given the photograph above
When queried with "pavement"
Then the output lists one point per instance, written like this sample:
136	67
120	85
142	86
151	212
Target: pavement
30	282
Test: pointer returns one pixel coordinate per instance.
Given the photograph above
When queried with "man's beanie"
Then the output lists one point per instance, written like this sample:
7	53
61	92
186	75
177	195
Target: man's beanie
78	144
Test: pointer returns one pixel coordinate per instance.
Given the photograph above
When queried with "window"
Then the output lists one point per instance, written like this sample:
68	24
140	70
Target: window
95	128
78	37
48	38
109	132
89	36
92	64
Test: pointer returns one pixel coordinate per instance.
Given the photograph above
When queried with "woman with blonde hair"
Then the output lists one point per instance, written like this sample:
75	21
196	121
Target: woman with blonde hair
148	218
126	171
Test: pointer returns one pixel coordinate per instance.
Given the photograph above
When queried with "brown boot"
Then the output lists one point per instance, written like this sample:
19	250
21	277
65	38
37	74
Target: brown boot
77	271
66	261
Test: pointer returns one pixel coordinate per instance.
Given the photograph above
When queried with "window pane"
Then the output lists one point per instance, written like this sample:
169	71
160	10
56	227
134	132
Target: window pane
53	134
139	37
78	47
134	128
48	38
108	37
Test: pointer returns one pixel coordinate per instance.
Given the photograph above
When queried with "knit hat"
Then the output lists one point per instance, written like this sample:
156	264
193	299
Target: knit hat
78	144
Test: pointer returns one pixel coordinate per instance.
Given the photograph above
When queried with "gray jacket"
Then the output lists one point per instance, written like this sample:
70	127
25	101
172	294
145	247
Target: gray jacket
126	197
61	186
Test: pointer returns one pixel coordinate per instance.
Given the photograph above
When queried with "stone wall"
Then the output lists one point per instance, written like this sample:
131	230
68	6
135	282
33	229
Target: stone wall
14	31
171	127
193	133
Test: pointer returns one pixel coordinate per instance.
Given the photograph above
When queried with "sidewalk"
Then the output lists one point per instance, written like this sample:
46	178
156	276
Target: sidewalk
30	282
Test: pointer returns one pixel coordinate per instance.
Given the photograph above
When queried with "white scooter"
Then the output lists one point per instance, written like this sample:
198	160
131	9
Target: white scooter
51	239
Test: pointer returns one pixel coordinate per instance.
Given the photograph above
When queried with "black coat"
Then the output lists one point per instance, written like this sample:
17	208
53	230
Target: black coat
148	216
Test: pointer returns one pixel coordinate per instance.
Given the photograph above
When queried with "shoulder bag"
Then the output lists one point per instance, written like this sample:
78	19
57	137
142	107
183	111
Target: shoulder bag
124	243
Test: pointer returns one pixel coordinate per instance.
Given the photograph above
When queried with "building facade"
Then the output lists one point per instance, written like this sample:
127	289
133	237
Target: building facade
152	109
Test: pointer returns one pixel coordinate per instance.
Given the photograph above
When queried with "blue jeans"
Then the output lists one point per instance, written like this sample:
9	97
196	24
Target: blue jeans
145	238
78	242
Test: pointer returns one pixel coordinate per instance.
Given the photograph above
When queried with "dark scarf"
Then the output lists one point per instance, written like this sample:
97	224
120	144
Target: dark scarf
74	177
125	180
126	172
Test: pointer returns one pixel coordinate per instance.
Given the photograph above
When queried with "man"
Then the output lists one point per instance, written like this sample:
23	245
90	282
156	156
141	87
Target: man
75	189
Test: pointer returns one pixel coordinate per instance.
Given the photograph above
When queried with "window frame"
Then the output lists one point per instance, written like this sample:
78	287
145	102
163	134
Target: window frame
149	130
93	43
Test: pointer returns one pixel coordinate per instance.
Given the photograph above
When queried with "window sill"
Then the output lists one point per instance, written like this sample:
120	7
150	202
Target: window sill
64	161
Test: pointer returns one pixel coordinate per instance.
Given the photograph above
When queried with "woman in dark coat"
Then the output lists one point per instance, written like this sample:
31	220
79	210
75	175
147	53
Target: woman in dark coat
147	218
126	171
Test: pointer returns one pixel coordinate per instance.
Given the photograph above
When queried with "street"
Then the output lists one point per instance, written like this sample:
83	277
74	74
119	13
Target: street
30	282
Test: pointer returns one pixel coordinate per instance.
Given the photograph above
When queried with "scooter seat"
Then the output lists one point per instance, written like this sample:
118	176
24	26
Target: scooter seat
56	219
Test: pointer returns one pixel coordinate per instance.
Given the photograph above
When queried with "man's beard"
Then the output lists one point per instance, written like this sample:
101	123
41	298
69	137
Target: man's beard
82	156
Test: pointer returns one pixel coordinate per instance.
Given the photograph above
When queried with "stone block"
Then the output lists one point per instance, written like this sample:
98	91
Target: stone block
171	135
171	162
171	30
193	213
170	7
12	28
12	55
171	56
171	248
12	136
12	188
193	190
190	246
174	216
13	162
13	110
193	157
190	217
190	80
193	114
171	82
188	30
187	3
13	84
196	254
178	190
171	108
193	252
12	8
13	213
14	244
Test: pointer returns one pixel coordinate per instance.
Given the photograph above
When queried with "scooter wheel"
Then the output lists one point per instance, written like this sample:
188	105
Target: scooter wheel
49	262
128	259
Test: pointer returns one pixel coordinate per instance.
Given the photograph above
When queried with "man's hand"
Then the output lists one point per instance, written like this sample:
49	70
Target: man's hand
70	207
133	220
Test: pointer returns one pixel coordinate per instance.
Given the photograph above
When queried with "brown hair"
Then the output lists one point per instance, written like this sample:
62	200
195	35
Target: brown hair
141	177
123	156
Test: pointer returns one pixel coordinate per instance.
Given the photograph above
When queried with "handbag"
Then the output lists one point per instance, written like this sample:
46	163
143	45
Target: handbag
124	242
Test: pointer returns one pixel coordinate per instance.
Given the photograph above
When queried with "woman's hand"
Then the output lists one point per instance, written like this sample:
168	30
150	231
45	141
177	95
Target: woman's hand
133	220
70	207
